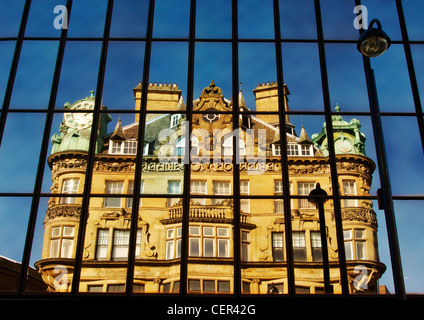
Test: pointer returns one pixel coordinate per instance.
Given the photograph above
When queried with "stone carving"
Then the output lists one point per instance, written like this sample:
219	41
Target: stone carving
365	215
62	211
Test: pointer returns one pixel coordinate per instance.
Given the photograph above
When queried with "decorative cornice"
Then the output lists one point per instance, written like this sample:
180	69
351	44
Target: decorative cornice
62	211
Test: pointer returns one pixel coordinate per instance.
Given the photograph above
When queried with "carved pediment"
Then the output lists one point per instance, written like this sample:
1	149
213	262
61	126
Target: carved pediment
212	98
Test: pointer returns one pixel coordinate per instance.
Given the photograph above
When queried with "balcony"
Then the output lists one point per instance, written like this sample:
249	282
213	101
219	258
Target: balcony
215	213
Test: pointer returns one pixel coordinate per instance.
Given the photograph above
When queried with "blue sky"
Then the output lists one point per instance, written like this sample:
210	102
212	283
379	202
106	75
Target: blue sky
213	61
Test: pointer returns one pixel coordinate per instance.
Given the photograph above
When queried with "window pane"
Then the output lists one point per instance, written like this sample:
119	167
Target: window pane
209	285
124	57
19	152
194	247
171	19
194	285
129	19
293	12
213	21
208	249
81	20
10	17
6	54
305	92
37	57
255	19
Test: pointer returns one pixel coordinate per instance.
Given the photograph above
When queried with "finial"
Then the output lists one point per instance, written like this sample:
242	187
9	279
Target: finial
212	85
337	108
92	94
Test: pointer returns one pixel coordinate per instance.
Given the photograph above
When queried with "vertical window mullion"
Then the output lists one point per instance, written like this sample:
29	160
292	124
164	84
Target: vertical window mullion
139	151
91	151
331	149
283	148
236	153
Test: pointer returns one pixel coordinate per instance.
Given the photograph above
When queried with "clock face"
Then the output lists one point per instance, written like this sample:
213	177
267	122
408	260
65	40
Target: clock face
79	120
344	146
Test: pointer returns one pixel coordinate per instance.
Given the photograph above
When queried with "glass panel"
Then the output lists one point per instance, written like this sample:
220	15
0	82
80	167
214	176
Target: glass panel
41	22
407	178
257	65
167	77
365	241
308	156
409	222
10	17
418	57
256	19
59	167
339	26
37	58
171	19
263	243
124	58
213	21
387	14
414	23
158	251
291	13
129	19
54	246
80	58
20	151
308	251
6	54
392	80
346	77
305	93
163	161
84	12
212	61
211	239
14	213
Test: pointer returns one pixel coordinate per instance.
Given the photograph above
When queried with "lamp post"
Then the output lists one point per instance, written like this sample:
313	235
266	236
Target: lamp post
318	196
372	43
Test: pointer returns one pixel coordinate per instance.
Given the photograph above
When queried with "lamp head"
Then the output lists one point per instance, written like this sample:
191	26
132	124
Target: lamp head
374	41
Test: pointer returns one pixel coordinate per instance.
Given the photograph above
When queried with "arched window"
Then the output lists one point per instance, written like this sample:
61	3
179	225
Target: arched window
227	146
179	148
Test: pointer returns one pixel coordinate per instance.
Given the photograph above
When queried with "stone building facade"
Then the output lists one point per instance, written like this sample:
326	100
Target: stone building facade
210	261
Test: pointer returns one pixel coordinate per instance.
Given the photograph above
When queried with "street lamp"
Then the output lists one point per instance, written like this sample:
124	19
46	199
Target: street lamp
372	43
317	197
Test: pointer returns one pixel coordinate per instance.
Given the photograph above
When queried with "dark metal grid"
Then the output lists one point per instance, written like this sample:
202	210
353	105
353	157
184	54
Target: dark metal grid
327	112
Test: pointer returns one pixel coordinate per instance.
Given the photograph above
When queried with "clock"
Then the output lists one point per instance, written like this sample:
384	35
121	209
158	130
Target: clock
79	120
344	146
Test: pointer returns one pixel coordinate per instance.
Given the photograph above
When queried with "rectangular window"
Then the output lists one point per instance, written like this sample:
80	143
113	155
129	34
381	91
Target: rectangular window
131	191
299	246
277	246
292	150
121	240
304	188
114	187
69	186
276	149
102	242
221	188
174	187
245	243
316	245
198	187
173	243
130	147
61	242
244	190
349	189
305	150
355	245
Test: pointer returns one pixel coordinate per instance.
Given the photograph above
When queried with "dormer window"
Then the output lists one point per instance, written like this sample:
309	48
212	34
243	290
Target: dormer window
174	120
123	147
